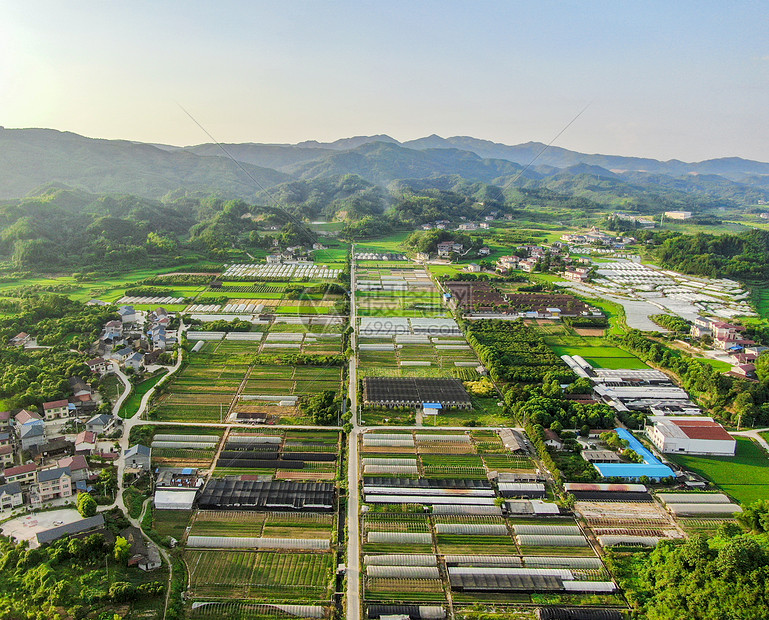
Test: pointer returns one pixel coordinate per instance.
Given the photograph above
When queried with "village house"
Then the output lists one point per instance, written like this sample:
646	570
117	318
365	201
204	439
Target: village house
553	440
20	339
32	434
128	314
77	465
52	447
577	274
26	417
121	355
83	397
138	457
56	409
745	370
473	268
97	365
135	361
54	484
113	330
7	456
100	423
23	474
505	263
159	316
726	336
445	248
157	337
5	419
85	442
10	496
144	554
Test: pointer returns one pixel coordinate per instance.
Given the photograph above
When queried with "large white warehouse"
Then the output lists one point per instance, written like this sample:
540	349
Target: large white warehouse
691	435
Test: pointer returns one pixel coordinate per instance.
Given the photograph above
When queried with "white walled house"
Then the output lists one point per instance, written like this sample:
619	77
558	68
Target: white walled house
56	409
691	435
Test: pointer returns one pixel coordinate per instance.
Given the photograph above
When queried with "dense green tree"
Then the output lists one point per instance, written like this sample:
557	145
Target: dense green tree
86	505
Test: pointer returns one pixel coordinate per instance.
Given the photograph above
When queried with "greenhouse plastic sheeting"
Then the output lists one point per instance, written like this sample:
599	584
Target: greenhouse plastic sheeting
227	542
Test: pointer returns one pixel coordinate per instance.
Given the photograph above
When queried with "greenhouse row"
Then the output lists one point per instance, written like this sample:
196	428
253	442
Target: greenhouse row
228	542
229	493
549	540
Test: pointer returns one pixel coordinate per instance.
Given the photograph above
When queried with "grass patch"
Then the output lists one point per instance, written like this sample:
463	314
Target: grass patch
131	404
133	499
744	476
719	365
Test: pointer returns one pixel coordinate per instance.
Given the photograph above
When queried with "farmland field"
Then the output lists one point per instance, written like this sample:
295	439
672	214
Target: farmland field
744	476
260	575
249	377
257	524
171	522
595	350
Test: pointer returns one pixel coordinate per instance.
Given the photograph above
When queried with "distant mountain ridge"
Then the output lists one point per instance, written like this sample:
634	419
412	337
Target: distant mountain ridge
30	158
735	168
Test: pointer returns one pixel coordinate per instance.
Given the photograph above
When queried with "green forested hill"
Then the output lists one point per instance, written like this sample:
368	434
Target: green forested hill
33	157
30	158
382	162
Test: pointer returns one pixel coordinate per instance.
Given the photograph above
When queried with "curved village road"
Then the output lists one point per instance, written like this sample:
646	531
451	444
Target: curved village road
124	445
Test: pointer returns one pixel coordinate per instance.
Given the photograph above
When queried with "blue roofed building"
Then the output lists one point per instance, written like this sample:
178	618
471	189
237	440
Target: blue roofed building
652	467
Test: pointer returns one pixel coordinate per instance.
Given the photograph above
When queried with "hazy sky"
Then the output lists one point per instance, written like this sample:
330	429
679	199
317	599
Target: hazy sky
670	79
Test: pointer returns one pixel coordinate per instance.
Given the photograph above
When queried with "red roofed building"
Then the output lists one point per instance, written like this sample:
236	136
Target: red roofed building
85	442
746	370
56	409
20	339
691	435
25	417
22	473
77	465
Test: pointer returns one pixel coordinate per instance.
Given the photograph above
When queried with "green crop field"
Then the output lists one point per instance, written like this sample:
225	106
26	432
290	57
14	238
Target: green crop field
744	476
260	575
171	522
598	355
106	288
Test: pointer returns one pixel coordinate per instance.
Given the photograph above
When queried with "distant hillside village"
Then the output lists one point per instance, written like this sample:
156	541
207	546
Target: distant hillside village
553	258
68	446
